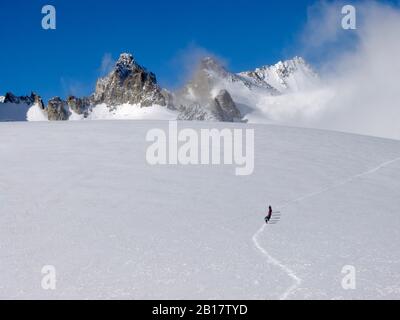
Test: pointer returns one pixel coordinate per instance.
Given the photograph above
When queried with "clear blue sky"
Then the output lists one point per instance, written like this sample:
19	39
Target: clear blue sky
247	33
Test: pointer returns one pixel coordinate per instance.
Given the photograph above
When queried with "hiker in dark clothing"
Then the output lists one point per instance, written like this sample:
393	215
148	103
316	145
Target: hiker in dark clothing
269	216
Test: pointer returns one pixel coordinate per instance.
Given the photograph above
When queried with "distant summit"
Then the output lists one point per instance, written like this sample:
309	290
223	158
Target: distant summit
129	83
285	76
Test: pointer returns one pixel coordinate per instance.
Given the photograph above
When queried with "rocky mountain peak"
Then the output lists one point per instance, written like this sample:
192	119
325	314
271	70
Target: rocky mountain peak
213	67
57	109
126	65
228	110
285	76
209	63
125	59
288	67
129	83
80	106
213	93
28	100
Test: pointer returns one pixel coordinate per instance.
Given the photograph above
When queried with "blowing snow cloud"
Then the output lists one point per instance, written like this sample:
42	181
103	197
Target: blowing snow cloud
360	69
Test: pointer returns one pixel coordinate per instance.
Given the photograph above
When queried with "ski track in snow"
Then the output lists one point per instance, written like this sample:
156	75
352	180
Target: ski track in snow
277	263
270	259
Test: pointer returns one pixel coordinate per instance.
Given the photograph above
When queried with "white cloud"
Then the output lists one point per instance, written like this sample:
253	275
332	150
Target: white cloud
186	61
360	67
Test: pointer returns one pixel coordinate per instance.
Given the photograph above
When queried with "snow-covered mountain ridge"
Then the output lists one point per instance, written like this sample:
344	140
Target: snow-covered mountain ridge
285	76
213	94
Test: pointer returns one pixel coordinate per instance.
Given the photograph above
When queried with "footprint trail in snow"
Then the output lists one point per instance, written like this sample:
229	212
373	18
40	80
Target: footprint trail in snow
270	259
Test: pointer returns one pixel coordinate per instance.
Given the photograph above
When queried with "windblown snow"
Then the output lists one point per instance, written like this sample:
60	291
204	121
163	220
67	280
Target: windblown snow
35	113
81	197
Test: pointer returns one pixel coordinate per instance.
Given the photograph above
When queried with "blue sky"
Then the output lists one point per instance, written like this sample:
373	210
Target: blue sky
245	33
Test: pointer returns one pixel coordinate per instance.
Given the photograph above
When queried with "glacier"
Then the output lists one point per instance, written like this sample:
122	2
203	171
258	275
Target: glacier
80	196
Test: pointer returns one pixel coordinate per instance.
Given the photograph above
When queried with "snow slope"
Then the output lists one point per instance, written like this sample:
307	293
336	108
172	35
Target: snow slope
131	112
80	196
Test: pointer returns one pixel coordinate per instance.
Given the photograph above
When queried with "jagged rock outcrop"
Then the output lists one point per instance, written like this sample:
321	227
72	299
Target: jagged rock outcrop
218	93
196	112
221	108
38	100
206	77
80	106
15	108
227	107
213	93
57	109
196	101
129	83
29	100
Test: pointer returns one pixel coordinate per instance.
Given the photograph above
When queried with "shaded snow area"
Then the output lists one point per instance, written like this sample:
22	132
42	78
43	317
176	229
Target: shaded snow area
13	111
81	197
